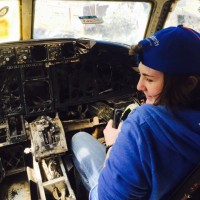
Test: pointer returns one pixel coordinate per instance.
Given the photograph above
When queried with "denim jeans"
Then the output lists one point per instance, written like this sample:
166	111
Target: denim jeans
88	156
94	193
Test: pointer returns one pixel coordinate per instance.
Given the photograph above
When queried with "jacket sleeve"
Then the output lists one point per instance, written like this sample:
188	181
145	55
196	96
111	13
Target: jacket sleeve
126	173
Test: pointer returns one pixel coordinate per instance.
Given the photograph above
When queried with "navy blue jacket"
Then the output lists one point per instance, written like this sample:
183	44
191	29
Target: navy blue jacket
155	150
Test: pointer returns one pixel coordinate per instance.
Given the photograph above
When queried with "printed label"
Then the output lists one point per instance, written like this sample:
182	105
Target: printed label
91	19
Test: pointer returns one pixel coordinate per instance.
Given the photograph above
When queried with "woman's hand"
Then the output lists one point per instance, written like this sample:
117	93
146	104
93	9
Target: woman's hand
111	133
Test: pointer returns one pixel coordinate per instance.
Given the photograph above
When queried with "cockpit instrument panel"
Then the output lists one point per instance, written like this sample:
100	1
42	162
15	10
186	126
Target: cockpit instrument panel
48	76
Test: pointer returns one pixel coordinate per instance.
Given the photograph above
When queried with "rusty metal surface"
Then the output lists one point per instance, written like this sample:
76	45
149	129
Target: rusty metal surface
15	187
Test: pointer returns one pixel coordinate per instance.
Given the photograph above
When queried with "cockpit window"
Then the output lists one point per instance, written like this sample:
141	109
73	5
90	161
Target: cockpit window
123	22
186	12
9	20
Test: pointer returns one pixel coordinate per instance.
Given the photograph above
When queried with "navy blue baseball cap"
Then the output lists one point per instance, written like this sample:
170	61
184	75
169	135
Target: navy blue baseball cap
174	50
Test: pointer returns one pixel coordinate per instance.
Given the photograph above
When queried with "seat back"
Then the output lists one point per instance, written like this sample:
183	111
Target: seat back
190	188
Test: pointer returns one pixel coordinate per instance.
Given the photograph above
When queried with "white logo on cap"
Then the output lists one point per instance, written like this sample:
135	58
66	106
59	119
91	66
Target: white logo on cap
153	40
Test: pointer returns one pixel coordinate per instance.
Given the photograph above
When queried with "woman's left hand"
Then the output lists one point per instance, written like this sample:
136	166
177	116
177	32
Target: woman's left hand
111	133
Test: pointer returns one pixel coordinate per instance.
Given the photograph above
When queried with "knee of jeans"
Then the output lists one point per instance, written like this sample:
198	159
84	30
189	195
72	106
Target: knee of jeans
77	138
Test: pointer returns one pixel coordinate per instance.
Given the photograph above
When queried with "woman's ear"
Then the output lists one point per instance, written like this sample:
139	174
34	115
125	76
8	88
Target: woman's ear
192	82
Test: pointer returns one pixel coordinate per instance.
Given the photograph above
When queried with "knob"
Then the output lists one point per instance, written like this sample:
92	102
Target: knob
24	57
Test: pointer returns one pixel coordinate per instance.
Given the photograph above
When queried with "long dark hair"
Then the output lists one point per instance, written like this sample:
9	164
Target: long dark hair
177	92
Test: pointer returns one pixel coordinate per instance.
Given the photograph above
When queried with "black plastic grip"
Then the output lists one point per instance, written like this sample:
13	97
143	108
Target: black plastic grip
117	117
